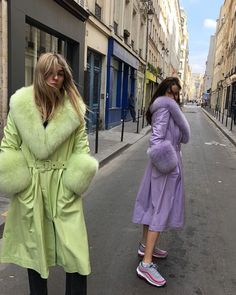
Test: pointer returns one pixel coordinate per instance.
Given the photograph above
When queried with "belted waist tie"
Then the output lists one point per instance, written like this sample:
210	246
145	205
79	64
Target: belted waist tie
48	165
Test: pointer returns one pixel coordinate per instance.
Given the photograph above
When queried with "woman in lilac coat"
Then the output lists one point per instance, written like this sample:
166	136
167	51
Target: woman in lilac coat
160	201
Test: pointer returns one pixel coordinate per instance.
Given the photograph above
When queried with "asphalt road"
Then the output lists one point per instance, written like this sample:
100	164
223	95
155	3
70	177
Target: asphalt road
202	257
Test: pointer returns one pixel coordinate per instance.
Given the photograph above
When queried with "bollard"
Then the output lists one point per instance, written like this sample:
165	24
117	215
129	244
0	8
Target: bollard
138	122
143	118
222	121
231	125
96	136
122	129
227	115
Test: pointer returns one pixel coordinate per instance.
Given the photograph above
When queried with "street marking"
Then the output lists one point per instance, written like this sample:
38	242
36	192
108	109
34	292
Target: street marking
215	143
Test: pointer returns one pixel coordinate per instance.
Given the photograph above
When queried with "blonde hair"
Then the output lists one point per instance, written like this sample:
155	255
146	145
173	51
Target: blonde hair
47	97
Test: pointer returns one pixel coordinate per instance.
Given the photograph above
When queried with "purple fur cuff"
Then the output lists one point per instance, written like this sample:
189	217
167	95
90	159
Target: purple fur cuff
163	156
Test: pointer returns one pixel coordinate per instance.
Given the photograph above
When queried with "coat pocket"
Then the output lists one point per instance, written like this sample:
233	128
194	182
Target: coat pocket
67	194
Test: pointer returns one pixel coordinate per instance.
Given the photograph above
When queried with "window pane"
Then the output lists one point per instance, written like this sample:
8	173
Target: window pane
36	43
96	88
115	68
114	88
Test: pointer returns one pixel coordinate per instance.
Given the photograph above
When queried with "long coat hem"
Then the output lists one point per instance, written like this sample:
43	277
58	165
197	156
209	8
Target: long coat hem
161	228
25	264
32	265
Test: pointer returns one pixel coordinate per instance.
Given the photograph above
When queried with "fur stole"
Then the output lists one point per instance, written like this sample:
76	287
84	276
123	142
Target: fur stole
163	154
176	113
42	141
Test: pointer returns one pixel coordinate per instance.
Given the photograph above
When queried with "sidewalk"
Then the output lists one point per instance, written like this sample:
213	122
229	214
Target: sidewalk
109	141
220	122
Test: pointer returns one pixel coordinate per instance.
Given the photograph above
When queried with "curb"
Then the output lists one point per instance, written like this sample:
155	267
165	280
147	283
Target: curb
114	154
225	131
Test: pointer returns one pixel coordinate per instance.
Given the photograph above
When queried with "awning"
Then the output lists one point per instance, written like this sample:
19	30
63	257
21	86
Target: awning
150	76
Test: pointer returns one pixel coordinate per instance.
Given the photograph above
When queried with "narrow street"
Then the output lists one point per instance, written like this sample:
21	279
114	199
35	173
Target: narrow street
202	257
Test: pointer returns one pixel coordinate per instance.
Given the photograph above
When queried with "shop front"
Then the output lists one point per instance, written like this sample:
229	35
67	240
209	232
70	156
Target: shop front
93	87
151	86
121	82
42	26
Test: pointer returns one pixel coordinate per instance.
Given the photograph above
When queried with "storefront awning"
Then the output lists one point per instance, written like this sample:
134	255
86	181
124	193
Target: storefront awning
151	77
124	55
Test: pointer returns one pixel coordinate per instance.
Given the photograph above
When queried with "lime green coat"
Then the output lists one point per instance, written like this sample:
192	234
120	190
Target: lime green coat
45	171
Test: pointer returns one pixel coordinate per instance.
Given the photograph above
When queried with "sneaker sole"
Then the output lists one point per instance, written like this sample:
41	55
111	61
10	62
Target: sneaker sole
141	254
141	276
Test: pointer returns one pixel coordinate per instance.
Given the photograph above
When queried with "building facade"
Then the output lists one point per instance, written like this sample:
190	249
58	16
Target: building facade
184	58
197	84
125	59
33	28
115	49
167	40
3	65
228	101
223	87
95	62
219	62
209	71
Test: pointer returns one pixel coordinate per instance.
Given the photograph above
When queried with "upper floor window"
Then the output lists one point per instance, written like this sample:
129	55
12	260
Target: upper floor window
115	28
98	11
132	44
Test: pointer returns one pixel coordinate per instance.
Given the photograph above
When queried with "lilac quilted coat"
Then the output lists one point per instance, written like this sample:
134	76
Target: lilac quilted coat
160	199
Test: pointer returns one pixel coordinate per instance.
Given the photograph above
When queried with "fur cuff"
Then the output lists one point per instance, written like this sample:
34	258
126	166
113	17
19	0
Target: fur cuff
80	172
163	157
14	172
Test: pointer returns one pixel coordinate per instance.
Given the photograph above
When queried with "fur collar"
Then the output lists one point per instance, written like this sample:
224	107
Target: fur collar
176	113
41	141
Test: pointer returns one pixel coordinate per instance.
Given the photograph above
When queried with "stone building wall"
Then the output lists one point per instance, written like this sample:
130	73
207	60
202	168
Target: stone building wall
3	65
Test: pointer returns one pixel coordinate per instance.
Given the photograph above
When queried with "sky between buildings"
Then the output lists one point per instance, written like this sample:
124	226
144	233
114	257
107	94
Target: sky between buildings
202	15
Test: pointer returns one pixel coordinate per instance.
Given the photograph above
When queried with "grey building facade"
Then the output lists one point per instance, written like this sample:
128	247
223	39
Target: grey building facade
29	28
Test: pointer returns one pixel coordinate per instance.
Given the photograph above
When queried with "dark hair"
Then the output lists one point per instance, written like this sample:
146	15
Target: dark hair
162	88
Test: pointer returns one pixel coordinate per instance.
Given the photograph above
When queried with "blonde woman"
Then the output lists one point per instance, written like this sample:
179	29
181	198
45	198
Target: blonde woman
45	167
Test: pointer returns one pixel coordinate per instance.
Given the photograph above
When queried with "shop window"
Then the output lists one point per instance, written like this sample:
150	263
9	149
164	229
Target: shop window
36	43
115	66
94	66
115	28
93	86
